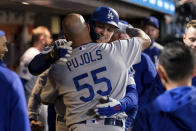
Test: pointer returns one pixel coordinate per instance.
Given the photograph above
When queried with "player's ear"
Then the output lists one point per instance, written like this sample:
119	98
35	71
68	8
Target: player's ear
157	34
184	38
194	71
88	26
162	73
67	37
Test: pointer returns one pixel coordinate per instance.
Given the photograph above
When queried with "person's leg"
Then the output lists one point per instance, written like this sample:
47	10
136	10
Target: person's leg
51	118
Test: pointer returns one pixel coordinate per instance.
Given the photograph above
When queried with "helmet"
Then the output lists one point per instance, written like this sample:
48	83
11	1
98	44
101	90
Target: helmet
2	33
103	14
106	15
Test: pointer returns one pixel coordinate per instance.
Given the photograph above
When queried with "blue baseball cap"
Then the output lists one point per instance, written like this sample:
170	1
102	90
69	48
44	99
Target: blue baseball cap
124	22
2	33
150	20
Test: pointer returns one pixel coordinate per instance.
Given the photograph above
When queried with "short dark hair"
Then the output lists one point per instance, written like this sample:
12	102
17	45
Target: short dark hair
178	61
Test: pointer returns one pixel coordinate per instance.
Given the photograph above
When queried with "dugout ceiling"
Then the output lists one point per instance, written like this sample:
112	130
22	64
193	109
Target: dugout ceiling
125	8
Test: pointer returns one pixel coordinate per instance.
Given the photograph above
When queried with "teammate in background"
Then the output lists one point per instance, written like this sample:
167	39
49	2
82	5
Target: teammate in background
14	109
41	37
145	75
189	39
94	60
151	28
174	110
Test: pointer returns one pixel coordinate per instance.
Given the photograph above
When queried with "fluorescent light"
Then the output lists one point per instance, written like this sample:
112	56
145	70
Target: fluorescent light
25	3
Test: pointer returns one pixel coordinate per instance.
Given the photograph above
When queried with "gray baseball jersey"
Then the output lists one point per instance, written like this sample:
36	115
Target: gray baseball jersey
93	70
35	108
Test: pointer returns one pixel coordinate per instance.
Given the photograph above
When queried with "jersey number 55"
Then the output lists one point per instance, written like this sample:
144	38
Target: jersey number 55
96	81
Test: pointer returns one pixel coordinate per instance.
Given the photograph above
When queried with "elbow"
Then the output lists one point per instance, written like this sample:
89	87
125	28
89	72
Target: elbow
38	65
33	70
146	43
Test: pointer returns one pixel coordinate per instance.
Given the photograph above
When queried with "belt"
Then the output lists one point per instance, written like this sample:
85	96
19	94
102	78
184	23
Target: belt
107	121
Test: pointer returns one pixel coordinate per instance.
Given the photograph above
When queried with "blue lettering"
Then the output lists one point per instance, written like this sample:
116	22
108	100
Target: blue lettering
68	65
82	60
76	62
86	58
98	53
91	57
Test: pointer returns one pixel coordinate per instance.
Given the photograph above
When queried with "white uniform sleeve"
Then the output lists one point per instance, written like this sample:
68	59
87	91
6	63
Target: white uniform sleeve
130	50
49	92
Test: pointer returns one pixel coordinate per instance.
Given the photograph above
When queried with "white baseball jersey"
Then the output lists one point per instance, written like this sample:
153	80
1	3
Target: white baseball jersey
93	70
23	71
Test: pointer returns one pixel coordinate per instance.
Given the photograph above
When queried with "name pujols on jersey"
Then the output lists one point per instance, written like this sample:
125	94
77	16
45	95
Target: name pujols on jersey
83	59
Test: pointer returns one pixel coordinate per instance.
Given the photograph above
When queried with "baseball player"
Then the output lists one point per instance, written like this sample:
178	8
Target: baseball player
105	32
189	39
148	84
101	30
41	37
13	109
88	75
151	27
174	110
34	105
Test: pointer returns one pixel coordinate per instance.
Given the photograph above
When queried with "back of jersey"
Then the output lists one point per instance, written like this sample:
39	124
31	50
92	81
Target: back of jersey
94	70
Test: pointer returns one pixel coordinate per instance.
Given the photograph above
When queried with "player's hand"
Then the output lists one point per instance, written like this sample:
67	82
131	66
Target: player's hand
64	49
123	27
108	109
36	126
61	50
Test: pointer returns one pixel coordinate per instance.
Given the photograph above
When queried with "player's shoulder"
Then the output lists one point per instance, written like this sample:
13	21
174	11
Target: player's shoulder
7	76
145	57
31	52
157	45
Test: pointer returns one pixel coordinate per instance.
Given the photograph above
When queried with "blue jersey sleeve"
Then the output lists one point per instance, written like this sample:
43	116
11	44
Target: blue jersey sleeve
130	102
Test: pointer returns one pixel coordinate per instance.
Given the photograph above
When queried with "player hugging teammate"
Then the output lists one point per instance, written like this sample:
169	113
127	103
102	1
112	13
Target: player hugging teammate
95	70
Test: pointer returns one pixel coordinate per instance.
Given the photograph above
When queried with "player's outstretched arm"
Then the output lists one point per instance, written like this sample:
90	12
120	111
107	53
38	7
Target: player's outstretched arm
113	106
61	50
